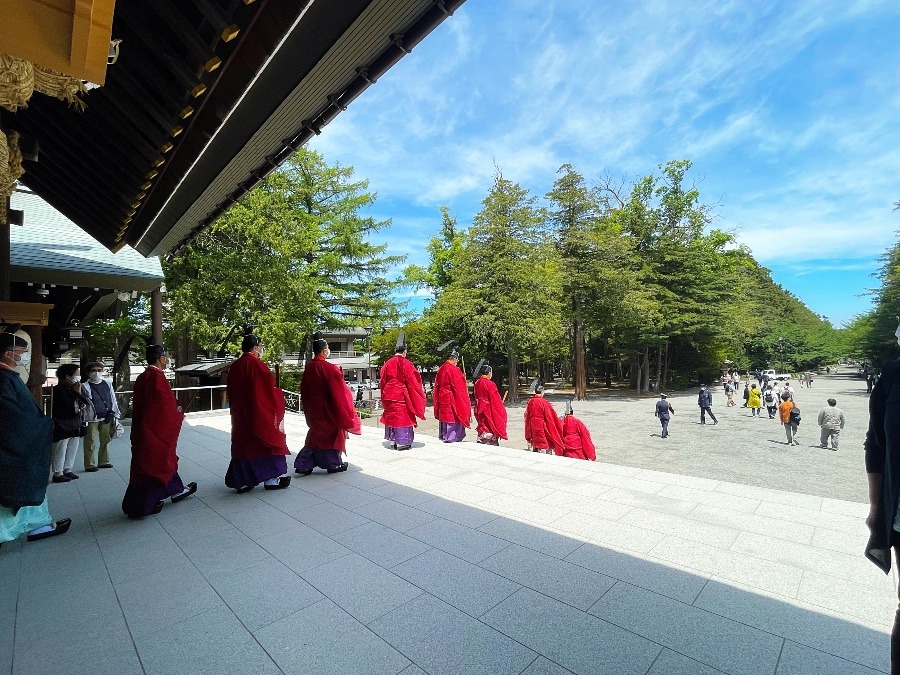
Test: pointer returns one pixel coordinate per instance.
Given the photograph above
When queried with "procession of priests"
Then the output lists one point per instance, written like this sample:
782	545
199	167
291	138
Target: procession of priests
259	447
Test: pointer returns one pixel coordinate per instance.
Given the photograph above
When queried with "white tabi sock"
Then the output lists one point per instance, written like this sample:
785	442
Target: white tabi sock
274	481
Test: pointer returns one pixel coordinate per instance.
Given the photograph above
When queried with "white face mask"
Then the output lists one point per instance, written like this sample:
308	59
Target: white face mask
76	379
25	359
96	377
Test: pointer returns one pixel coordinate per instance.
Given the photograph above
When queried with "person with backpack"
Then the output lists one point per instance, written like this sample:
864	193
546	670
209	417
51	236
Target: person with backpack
770	399
790	418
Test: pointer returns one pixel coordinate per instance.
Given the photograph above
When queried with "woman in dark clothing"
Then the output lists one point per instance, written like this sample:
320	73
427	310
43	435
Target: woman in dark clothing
68	426
883	468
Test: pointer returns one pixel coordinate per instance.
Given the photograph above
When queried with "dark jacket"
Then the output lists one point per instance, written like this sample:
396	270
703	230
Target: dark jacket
25	445
882	448
663	408
66	411
704	400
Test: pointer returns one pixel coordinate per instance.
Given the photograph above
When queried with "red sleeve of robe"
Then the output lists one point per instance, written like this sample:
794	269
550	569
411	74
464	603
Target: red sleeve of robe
327	406
587	444
257	410
155	424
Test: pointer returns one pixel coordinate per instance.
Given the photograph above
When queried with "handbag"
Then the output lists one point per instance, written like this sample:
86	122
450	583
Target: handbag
68	428
116	429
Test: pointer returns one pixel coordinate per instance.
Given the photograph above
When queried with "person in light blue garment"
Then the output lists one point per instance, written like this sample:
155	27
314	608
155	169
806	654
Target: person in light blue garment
26	443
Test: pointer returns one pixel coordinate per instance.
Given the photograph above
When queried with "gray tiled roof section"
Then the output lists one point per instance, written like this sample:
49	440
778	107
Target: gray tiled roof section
50	241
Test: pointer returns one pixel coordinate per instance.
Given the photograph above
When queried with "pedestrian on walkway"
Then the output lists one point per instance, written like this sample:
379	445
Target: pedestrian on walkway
105	413
729	394
809	379
746	394
155	425
831	420
882	449
452	406
663	410
787	416
770	399
402	396
754	400
490	413
577	442
25	448
68	422
704	400
870	383
329	412
258	442
543	430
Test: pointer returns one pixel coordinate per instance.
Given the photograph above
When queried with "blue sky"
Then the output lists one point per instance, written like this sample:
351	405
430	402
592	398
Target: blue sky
790	112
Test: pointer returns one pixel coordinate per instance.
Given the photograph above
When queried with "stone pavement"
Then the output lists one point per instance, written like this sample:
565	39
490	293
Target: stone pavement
740	449
445	559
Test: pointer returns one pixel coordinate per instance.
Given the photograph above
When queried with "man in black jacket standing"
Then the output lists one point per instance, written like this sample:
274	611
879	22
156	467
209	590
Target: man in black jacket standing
704	400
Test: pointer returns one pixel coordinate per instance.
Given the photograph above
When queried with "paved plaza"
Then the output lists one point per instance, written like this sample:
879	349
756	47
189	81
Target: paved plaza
467	559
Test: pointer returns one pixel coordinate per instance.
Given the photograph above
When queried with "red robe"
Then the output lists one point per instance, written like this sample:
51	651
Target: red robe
451	396
402	394
328	406
542	427
155	424
577	439
257	410
490	413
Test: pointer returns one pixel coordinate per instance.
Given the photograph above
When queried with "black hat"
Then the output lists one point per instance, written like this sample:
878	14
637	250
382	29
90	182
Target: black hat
401	343
249	342
481	369
319	345
154	352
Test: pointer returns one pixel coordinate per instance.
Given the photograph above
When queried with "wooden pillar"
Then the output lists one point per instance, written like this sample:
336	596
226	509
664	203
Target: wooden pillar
156	316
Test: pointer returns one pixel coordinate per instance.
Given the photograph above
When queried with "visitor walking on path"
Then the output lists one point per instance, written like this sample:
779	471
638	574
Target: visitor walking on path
155	425
452	406
490	413
770	398
663	410
729	394
329	412
402	396
754	400
831	420
788	418
543	430
704	400
258	442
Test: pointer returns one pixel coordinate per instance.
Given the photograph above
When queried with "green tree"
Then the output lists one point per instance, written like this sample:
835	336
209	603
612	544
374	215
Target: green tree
292	256
504	295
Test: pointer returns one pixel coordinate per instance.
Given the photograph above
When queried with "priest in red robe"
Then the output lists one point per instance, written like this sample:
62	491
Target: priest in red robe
452	406
403	398
576	438
330	414
155	425
543	430
258	441
490	413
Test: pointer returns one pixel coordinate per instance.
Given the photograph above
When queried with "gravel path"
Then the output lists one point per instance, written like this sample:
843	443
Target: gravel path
741	449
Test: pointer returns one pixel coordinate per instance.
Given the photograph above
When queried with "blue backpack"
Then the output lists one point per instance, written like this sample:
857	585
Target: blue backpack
795	415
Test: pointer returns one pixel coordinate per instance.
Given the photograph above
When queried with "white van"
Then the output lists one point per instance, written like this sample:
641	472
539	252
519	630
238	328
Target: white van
768	374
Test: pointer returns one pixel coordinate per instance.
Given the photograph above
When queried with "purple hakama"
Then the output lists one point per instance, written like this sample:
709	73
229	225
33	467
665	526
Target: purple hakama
141	500
251	472
451	432
308	459
400	436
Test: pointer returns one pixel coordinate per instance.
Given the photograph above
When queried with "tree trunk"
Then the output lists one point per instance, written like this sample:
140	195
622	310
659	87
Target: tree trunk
580	376
646	370
185	353
666	363
659	368
634	376
513	390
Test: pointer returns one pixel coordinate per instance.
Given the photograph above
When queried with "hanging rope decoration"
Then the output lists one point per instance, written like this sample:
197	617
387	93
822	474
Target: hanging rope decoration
6	183
20	79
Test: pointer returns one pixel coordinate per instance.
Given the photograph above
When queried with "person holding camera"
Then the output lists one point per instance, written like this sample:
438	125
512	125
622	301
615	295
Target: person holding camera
106	412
